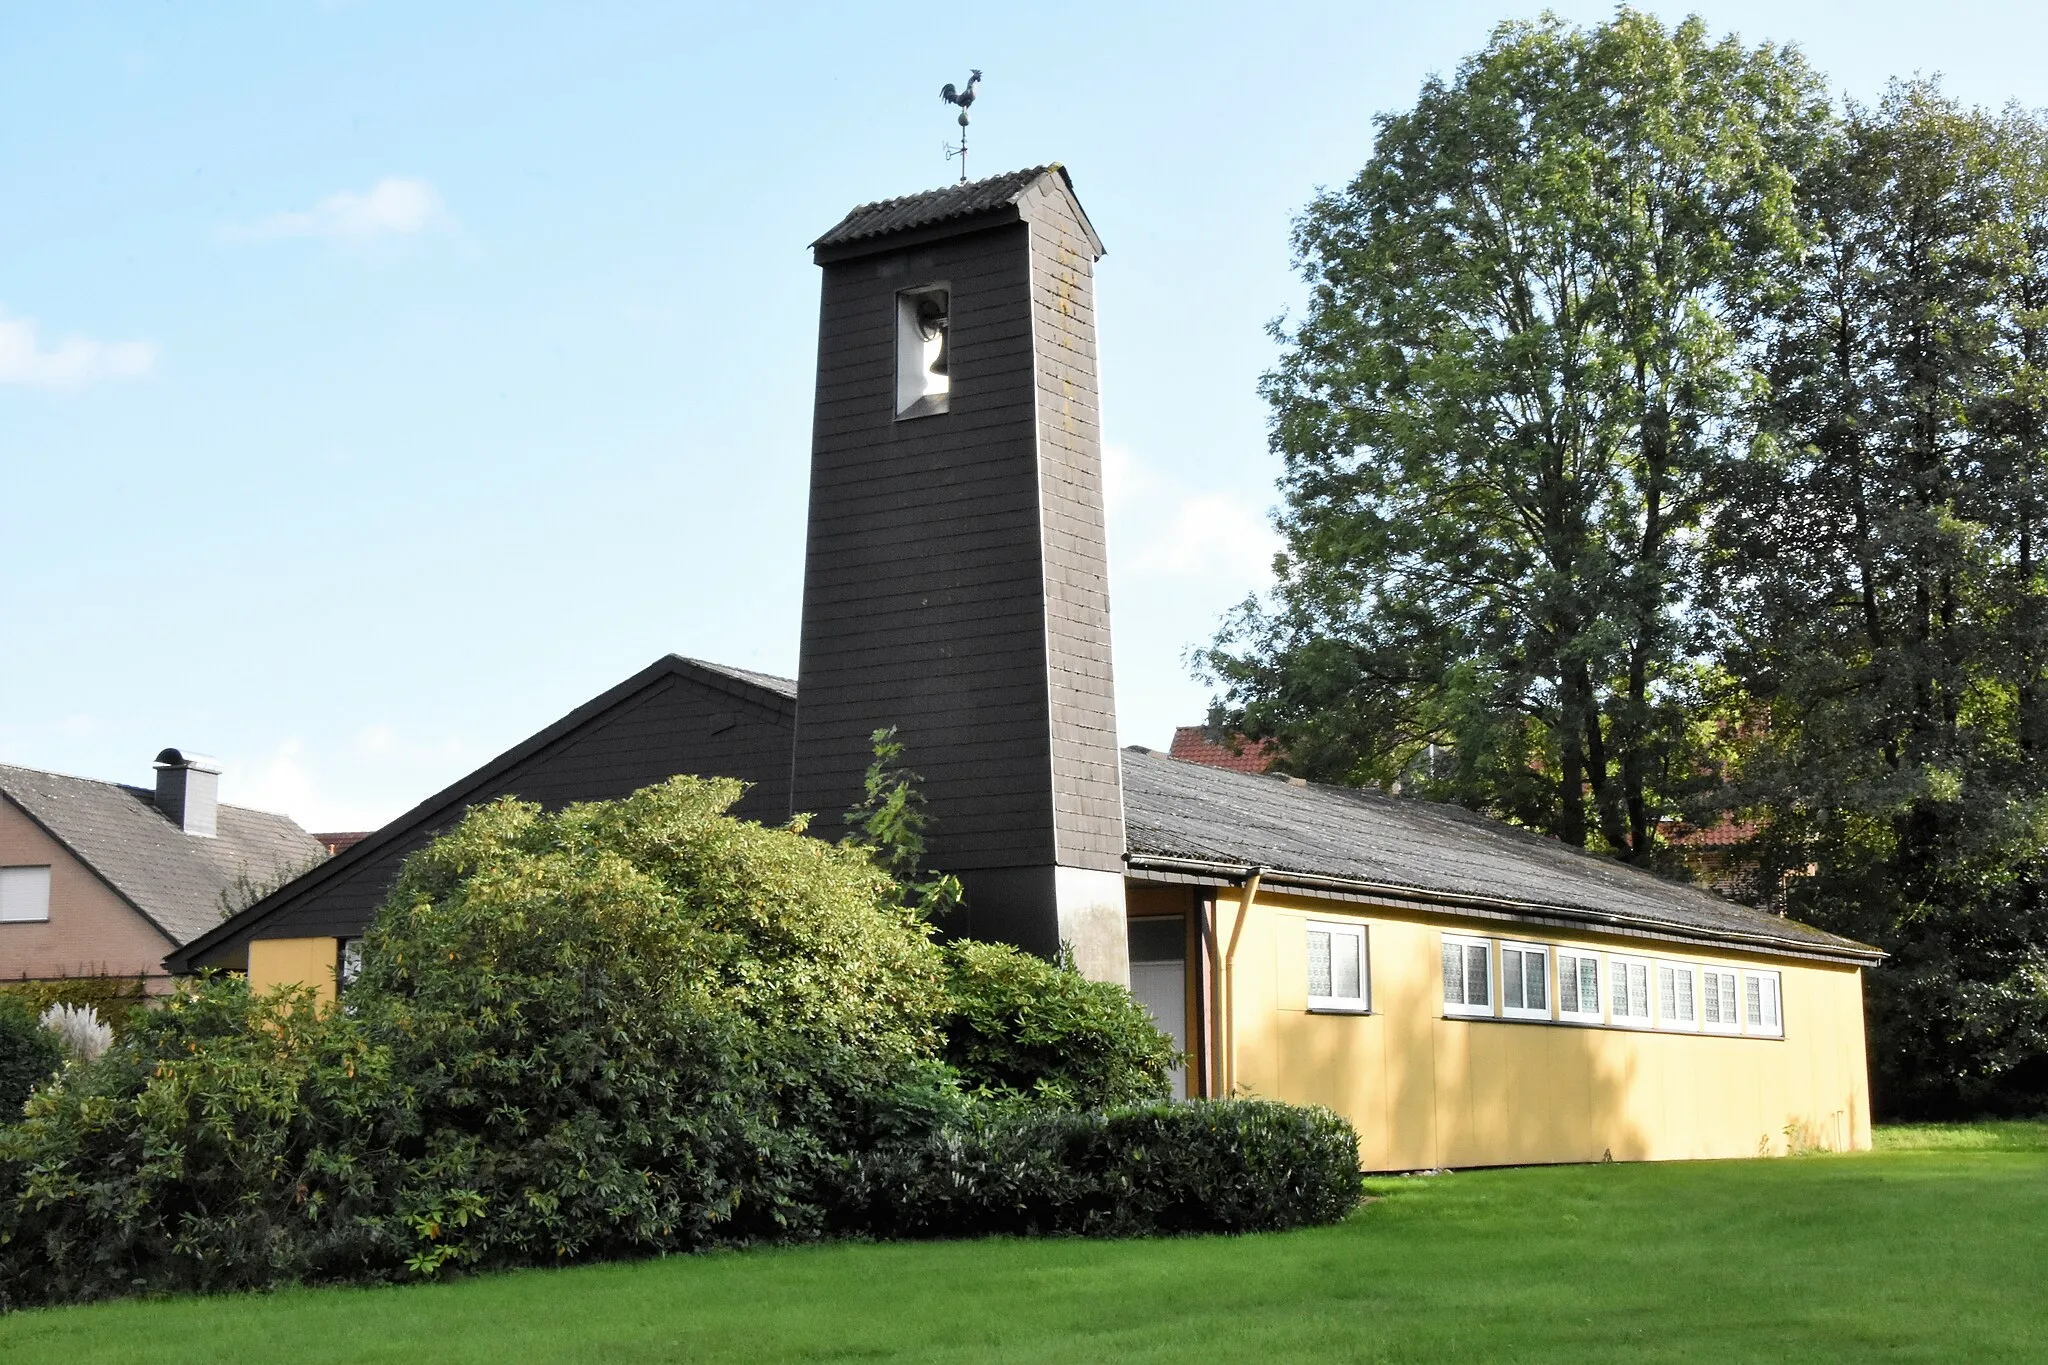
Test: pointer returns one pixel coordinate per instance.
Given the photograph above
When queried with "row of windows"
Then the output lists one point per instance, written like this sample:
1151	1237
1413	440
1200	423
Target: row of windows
1609	988
1492	978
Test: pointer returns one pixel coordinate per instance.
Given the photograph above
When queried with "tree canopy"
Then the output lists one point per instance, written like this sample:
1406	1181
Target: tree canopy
1662	442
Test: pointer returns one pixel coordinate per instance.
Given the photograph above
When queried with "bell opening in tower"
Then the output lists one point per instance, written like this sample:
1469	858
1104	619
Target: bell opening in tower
923	373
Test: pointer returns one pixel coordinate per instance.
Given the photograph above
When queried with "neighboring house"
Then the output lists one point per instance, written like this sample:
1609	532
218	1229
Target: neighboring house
1466	992
1192	744
102	879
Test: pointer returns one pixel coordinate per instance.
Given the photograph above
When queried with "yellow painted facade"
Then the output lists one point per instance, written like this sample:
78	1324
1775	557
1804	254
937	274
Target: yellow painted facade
294	961
1426	1089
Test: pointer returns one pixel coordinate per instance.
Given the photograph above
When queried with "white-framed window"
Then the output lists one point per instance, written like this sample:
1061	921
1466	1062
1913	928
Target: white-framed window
1525	981
1578	986
1762	1005
348	963
1339	968
24	895
1628	990
1468	976
1718	993
1678	1000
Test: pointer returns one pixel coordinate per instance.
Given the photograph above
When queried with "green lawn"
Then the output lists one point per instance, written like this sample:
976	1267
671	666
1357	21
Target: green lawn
1935	1247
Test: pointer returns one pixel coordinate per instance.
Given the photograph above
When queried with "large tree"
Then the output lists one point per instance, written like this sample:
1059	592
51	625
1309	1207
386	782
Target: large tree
1518	375
1883	595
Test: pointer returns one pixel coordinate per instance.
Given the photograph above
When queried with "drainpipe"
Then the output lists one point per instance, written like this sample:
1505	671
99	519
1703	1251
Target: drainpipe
1244	909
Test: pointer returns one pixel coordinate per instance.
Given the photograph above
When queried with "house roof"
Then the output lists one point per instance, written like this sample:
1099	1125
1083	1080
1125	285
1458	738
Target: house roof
996	198
174	880
1191	743
1190	819
763	688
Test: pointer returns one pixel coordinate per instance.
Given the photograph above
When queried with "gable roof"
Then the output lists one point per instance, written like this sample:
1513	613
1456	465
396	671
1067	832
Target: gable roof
995	198
761	689
1204	823
172	879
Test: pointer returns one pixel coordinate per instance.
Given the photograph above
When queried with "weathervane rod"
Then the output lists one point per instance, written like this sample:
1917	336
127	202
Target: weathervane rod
963	98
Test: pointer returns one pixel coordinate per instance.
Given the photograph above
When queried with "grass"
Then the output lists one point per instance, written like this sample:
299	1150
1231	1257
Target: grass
1934	1247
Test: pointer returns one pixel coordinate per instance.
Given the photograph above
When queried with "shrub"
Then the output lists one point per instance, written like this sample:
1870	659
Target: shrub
1021	1026
225	1142
639	1026
29	1055
1189	1167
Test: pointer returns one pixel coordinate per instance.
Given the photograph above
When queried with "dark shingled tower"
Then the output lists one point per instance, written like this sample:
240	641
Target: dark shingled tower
955	580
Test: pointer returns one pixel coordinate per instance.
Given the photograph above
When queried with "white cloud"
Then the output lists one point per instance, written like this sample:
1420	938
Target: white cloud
1161	528
396	206
66	364
1211	535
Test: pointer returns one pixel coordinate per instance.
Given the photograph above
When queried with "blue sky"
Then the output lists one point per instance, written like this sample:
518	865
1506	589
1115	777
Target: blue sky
380	381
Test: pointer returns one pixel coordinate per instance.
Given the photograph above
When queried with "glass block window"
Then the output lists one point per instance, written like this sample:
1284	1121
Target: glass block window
1678	1005
1468	976
1628	991
1578	986
1762	1007
1717	1001
1338	975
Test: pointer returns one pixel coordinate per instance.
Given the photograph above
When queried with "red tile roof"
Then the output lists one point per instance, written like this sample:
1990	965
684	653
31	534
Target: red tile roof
1191	744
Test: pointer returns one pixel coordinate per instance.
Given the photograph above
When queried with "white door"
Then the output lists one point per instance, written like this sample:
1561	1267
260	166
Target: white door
1160	987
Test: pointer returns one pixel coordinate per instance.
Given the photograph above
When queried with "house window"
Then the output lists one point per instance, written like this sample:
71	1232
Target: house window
348	963
1524	981
24	894
1338	968
1717	1002
1762	1015
1628	992
1578	986
924	379
1677	996
1468	976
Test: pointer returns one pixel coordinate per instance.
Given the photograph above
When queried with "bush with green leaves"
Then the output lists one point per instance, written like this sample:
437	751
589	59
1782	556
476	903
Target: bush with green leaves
1020	1026
1220	1166
629	1028
29	1054
640	1026
224	1142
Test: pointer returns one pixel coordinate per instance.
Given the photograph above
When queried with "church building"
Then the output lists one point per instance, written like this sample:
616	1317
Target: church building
1464	991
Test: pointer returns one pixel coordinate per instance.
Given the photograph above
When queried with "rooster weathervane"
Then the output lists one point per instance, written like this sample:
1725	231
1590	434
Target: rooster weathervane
963	98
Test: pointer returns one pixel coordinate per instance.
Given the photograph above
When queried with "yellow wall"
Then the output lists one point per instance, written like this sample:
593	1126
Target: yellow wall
295	961
1425	1090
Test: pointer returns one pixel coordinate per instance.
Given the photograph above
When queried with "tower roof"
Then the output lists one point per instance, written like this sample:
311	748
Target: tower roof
956	208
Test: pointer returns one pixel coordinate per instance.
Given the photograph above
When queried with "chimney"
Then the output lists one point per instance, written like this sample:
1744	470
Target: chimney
955	573
188	791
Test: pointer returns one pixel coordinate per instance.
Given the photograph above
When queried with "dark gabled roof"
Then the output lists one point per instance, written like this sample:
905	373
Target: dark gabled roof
761	688
995	199
173	879
1184	817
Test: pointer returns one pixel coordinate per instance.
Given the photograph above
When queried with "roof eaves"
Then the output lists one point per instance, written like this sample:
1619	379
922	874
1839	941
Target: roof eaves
1836	949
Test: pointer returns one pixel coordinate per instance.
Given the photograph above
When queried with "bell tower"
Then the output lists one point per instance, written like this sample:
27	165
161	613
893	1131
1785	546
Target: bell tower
955	574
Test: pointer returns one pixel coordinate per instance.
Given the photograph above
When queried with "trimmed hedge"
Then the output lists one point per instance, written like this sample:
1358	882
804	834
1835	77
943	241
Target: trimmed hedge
1191	1167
